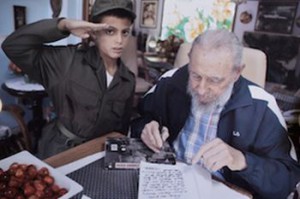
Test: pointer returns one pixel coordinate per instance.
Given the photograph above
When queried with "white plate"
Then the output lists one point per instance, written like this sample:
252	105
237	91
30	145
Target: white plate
61	180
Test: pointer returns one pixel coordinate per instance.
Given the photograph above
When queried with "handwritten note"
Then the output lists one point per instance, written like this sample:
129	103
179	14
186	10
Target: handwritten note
159	181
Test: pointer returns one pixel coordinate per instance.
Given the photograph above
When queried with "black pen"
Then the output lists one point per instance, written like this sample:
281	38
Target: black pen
160	127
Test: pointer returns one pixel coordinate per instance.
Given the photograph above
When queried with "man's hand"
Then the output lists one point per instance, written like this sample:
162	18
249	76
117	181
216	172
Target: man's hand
217	154
79	28
152	137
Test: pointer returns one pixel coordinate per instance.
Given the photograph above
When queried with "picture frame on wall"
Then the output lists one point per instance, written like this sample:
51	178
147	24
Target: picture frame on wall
149	14
87	9
19	16
277	17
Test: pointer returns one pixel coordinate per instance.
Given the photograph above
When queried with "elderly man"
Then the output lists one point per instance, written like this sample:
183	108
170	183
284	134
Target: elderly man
213	116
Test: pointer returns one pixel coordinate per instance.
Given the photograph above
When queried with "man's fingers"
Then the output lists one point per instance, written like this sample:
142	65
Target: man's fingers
149	140
156	134
205	148
165	133
151	136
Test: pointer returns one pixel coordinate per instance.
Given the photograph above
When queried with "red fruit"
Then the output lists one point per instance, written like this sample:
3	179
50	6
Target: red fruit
32	171
2	187
19	196
39	194
13	183
62	191
48	192
49	180
10	192
33	197
55	188
39	185
13	168
43	171
5	177
19	173
28	190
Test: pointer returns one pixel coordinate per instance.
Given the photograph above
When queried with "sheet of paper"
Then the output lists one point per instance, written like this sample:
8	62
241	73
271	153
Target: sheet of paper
222	191
178	181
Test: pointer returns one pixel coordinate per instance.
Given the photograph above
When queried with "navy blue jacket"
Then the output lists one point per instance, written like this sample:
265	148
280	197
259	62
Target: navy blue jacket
250	122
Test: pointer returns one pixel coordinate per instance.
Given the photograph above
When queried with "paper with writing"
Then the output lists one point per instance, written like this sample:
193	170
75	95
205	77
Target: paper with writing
180	181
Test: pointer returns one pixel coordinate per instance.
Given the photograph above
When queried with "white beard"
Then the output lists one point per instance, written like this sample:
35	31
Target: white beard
197	106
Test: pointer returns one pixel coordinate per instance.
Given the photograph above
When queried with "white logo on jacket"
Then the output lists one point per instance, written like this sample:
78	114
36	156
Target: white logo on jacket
236	133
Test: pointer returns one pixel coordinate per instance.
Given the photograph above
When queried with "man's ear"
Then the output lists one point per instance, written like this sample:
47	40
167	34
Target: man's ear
238	71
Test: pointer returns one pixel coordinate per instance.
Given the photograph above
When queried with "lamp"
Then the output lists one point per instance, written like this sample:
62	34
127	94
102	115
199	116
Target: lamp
151	44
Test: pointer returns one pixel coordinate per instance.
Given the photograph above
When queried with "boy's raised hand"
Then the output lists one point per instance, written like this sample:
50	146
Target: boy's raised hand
80	28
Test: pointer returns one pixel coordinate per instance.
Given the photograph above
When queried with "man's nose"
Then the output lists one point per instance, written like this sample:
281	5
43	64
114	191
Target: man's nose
202	87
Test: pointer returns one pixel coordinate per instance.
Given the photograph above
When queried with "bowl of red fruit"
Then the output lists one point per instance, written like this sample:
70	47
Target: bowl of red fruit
24	176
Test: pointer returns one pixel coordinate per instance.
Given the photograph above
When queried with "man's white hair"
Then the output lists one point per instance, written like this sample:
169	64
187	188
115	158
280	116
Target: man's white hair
221	39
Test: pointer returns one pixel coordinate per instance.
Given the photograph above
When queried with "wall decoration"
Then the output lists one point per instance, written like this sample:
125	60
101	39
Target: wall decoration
282	52
276	17
186	19
87	9
149	10
246	17
19	16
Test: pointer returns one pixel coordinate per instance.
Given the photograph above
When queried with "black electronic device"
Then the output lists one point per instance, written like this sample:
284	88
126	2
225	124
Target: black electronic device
127	153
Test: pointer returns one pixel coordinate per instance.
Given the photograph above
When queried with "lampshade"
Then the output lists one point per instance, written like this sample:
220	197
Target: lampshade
238	2
151	44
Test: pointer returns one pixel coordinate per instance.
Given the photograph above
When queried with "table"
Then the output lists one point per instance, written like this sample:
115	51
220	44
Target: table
93	147
31	95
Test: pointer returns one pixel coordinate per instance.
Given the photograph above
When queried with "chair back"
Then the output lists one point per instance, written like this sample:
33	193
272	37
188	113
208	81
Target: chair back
254	59
255	65
129	55
132	60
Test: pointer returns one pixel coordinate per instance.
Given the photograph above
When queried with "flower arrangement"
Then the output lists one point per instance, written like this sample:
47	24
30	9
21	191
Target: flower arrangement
212	15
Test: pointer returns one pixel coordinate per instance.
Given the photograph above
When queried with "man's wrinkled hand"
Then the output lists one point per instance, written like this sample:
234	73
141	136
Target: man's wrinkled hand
217	154
152	137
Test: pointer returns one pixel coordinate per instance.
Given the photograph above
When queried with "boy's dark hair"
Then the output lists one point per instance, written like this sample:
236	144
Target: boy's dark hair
119	13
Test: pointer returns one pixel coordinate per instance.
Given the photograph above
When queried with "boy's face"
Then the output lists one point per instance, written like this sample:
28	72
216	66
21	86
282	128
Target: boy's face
112	41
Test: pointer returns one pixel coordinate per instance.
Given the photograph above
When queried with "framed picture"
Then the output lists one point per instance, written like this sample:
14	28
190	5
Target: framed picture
149	13
19	16
87	9
276	17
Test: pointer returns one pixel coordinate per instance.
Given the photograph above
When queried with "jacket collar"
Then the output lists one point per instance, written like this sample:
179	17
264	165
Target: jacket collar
93	58
240	95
